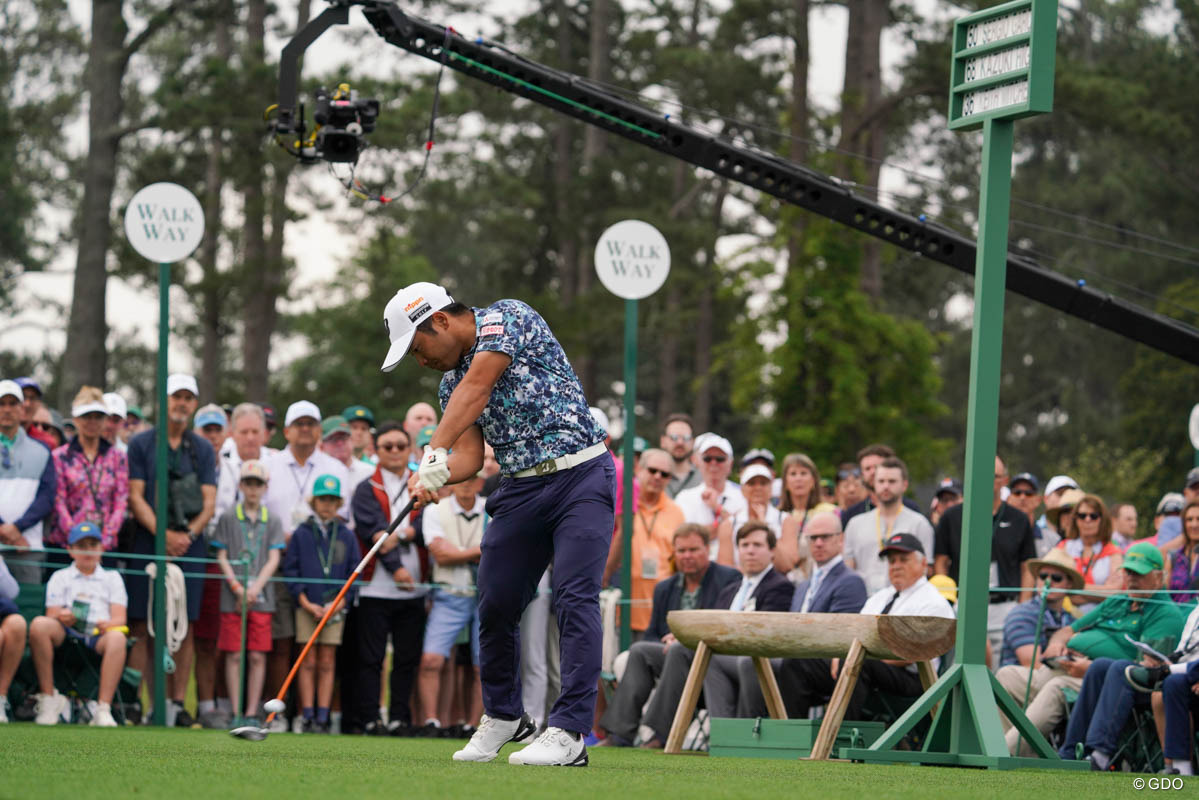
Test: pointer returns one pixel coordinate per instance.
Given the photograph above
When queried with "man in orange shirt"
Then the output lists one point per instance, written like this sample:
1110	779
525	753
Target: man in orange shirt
654	522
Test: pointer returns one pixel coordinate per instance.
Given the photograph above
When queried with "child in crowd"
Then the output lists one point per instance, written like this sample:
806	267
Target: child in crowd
86	602
247	529
322	547
12	636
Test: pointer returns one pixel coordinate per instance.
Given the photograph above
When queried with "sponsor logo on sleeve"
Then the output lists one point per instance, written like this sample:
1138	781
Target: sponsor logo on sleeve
493	318
491	330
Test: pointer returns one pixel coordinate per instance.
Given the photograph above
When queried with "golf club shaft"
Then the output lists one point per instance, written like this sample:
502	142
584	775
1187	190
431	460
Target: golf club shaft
295	668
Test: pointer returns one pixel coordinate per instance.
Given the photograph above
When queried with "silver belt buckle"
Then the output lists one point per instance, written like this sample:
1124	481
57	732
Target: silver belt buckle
546	467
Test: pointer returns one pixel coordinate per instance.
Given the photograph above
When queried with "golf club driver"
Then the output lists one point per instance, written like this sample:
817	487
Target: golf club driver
274	706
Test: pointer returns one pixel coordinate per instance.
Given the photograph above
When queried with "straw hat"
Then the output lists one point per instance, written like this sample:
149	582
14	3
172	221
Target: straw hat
1058	559
1070	499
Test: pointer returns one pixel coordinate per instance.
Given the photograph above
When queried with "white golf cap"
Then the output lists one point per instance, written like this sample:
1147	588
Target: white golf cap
709	440
116	404
8	388
301	409
756	471
600	417
411	306
88	408
1060	482
178	382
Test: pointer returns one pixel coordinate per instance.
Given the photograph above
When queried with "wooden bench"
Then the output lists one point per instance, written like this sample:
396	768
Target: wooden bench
764	635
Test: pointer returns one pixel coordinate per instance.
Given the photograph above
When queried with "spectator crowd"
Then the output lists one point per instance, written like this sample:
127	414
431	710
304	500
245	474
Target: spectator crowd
260	541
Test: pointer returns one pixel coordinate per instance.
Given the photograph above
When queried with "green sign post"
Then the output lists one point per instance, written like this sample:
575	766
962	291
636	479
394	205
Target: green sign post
164	222
632	260
1002	70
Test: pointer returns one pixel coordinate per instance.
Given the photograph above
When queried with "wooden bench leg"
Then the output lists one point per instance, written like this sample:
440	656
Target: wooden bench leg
928	676
770	688
691	690
834	712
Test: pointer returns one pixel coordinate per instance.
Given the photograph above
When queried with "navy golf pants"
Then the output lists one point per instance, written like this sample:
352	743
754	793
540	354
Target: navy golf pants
564	519
1180	703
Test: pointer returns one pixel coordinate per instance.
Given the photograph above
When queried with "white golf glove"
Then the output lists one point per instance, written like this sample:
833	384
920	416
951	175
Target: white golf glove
434	469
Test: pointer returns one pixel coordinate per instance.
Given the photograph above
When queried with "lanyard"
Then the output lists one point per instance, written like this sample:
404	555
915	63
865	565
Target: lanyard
878	526
93	486
300	484
327	559
649	527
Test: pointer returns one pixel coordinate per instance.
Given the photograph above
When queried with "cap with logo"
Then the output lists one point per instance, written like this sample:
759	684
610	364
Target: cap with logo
211	414
179	382
1060	482
326	486
758	453
268	413
11	389
425	435
901	543
84	530
1171	503
359	412
411	306
301	409
116	405
949	486
1026	477
1142	558
333	426
707	441
756	471
254	470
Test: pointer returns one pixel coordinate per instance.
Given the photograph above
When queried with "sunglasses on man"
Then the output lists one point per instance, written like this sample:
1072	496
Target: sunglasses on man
1055	577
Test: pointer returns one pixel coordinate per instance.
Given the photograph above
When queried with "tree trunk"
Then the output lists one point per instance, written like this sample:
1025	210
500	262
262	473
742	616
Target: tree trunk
861	126
211	295
704	321
262	287
85	360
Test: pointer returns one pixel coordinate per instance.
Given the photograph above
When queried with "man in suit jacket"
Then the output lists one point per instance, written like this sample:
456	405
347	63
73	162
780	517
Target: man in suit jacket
697	583
833	588
761	588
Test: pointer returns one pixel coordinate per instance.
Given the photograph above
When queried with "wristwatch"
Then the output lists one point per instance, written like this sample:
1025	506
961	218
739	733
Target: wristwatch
192	534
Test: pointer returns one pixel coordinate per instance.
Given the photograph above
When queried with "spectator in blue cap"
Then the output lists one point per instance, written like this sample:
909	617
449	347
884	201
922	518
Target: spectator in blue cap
85	602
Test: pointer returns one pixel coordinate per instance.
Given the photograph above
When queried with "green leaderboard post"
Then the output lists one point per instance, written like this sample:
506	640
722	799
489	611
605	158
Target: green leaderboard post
1002	70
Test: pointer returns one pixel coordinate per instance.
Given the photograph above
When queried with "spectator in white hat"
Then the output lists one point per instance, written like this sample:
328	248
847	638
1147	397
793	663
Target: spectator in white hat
756	482
115	421
27	486
293	471
1057	486
716	497
191	498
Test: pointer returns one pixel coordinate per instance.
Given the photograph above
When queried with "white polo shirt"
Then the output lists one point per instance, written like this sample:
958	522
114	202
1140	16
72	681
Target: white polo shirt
696	510
100	591
291	485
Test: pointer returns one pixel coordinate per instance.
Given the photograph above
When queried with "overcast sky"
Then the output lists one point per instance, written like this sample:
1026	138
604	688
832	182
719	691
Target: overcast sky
318	247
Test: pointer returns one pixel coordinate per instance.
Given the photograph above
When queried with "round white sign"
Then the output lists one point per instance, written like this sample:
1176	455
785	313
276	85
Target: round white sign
164	222
1193	427
632	259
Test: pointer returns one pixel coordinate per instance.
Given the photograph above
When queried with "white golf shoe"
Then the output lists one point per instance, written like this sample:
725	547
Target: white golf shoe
554	748
50	707
493	734
102	716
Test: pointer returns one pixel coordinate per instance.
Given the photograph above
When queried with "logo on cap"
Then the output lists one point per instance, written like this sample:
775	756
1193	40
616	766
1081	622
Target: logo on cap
414	303
359	413
420	312
896	539
329	482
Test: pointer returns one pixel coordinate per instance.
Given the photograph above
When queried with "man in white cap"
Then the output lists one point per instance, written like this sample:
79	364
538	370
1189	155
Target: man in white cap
716	497
191	500
27	485
508	383
294	470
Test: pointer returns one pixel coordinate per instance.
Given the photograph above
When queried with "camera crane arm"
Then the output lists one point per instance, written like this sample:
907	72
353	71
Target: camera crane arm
792	183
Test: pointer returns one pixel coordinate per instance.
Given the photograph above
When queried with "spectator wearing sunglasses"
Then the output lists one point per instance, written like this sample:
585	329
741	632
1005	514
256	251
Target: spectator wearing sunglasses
31	404
1019	629
654	523
1026	496
1089	542
678	440
715	497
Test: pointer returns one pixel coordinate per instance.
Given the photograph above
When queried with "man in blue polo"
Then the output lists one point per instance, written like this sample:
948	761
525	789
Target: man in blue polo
508	382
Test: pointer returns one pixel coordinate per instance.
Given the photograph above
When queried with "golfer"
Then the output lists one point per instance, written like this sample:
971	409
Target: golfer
508	382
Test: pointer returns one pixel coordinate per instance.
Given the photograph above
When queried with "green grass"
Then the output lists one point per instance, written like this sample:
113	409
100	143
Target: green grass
77	762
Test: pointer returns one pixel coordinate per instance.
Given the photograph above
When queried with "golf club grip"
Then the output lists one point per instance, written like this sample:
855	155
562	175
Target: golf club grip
320	626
